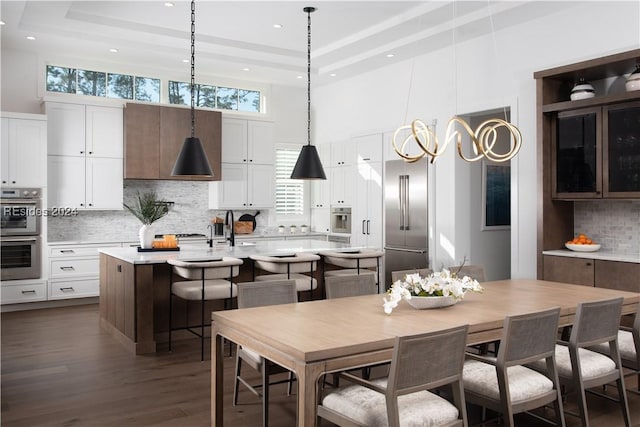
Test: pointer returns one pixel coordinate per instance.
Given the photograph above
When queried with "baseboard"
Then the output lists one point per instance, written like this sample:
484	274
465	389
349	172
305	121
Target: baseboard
48	304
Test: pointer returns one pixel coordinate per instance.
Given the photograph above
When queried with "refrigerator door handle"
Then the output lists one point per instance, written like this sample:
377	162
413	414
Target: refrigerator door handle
415	251
400	202
406	218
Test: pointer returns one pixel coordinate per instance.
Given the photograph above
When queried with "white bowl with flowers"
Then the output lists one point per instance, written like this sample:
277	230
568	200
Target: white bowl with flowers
439	289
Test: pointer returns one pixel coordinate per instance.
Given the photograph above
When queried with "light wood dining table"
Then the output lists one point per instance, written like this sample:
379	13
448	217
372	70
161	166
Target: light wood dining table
316	337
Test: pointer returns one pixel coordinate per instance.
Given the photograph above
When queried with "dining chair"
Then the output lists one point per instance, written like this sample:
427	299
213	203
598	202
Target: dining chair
629	345
419	363
475	271
361	261
401	274
205	281
580	369
350	285
259	294
299	267
503	384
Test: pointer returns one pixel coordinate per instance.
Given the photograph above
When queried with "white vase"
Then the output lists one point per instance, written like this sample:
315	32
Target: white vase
146	235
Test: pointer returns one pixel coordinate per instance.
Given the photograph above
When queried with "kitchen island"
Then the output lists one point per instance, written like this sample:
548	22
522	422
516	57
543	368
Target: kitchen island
134	286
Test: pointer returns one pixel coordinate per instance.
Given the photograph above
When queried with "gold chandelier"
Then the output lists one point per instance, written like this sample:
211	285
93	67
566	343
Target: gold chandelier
483	140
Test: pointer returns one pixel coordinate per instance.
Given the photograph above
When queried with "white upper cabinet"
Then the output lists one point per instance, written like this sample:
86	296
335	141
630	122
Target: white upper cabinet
24	150
320	188
243	186
343	153
104	131
247	141
66	129
368	148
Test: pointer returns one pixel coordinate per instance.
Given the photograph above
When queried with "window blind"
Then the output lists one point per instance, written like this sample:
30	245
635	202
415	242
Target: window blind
289	192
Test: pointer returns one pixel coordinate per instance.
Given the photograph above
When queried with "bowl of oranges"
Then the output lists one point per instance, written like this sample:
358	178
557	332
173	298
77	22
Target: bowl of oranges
582	243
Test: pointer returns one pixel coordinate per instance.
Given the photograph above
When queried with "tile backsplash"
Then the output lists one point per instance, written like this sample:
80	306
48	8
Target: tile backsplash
189	214
612	223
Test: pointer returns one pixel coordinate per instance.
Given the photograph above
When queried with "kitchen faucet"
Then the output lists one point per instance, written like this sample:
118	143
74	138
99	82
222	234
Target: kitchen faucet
232	235
210	240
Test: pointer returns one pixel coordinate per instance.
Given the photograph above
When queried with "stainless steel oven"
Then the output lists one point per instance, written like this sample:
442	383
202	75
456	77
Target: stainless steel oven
20	210
341	220
20	258
20	244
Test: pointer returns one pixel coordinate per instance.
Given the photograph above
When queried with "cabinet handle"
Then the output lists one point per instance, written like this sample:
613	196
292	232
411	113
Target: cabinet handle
363	227
369	226
67	289
250	204
67	268
67	251
82	152
119	268
31	291
244	160
90	152
588	264
4	182
90	204
81	204
13	182
251	160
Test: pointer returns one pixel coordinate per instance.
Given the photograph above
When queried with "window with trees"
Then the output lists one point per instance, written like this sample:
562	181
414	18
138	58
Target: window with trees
222	98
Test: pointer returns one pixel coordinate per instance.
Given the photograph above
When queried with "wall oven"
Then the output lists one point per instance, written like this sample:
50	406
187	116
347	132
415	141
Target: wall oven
20	244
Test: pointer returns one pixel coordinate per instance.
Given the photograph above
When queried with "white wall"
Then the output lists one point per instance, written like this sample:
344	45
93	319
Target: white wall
483	80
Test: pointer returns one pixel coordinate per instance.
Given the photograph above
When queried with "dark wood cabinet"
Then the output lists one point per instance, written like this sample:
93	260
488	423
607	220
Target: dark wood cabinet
577	271
623	276
621	150
154	135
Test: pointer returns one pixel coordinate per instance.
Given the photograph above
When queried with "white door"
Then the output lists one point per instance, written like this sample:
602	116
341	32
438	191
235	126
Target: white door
234	141
261	186
27	152
104	183
66	182
260	143
374	206
104	131
65	129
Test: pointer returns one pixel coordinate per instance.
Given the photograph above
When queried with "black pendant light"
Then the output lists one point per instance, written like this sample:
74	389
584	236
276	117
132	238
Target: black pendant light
308	165
192	159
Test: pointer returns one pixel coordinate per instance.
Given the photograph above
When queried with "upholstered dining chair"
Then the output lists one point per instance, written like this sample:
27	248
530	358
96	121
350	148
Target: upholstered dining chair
257	294
419	363
299	267
580	369
401	274
350	285
205	281
475	271
629	345
353	262
503	384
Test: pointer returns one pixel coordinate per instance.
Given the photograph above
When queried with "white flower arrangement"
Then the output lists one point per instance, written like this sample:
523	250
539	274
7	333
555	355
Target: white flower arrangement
439	284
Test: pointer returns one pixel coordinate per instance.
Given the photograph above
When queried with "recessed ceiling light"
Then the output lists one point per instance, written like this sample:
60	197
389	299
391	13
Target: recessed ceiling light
113	50
333	74
299	77
1	22
245	69
278	26
185	60
30	38
169	4
390	55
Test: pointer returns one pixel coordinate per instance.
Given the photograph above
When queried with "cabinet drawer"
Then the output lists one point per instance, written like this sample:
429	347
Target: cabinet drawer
25	292
74	267
77	288
78	251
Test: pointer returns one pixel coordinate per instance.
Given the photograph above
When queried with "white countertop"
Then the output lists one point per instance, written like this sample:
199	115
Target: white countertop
267	247
602	255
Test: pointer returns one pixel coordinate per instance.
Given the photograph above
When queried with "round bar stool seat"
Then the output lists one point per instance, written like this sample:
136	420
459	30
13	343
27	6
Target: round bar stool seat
299	267
359	262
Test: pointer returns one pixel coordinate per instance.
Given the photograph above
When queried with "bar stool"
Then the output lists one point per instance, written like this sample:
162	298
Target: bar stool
359	262
288	268
206	280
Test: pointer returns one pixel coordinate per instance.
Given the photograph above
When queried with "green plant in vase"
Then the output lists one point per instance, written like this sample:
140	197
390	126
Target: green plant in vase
148	209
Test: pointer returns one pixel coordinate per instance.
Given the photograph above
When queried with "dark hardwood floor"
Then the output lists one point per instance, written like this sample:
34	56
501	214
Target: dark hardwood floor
60	369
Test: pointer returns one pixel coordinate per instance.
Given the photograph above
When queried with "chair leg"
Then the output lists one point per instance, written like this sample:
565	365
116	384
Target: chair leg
290	384
582	405
202	301
170	317
622	397
265	393
236	381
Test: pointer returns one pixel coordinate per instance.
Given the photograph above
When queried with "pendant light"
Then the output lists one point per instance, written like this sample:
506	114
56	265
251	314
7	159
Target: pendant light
192	159
308	165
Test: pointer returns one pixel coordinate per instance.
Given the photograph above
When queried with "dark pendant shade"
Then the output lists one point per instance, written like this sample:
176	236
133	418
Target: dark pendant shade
308	165
192	159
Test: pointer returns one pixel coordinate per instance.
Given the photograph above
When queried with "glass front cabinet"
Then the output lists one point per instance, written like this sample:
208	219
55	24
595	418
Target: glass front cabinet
596	152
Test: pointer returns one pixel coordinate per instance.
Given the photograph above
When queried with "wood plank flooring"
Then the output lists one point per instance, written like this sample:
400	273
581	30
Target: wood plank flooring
60	369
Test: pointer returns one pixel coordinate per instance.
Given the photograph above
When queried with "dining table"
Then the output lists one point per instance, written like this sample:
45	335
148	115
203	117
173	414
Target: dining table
317	337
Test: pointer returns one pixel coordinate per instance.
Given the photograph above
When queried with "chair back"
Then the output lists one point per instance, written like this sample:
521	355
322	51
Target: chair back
596	322
299	263
400	274
528	337
274	292
476	272
225	268
363	258
425	361
350	285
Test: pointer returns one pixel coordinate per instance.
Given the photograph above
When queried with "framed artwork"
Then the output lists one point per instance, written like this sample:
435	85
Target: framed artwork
496	196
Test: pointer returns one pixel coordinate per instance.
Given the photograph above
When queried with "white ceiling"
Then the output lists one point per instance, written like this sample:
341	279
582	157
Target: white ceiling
348	37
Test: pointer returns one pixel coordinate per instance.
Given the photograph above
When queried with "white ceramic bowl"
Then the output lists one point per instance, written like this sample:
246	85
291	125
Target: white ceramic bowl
422	303
582	248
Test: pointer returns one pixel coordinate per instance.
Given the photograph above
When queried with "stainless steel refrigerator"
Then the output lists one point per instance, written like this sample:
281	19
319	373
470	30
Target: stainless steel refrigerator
406	243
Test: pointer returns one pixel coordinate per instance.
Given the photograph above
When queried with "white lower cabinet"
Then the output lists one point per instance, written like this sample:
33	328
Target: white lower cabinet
18	291
74	270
